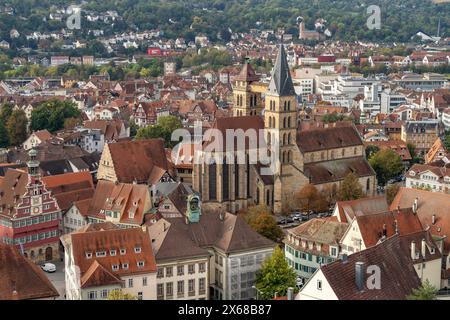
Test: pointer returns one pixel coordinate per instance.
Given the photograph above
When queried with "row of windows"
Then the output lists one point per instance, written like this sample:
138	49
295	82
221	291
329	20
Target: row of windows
286	105
180	270
31	238
112	252
35	220
286	122
180	286
299	267
76	222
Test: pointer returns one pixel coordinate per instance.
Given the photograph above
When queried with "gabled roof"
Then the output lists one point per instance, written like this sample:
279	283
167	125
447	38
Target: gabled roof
247	74
328	138
97	275
349	209
122	198
281	83
229	234
43	135
336	170
428	204
20	275
104	238
393	257
374	226
324	231
138	161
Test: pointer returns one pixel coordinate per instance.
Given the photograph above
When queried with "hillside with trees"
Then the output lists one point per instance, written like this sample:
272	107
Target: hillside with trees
346	19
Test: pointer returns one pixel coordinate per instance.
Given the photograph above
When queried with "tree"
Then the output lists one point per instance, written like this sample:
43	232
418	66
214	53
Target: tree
71	123
260	220
425	292
6	110
133	128
4	140
387	164
371	150
17	127
163	129
412	151
309	198
275	276
52	114
170	123
350	188
446	141
391	192
119	295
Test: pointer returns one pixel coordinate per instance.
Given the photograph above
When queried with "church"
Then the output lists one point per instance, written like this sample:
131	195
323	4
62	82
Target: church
322	156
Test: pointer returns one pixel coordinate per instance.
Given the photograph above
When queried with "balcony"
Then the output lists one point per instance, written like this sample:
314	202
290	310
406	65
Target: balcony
180	295
160	297
191	293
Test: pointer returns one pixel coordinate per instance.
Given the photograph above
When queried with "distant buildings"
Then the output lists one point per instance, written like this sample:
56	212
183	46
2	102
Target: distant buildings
422	134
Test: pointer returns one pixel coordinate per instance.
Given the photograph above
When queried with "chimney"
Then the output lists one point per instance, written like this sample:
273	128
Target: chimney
415	205
359	275
413	250
433	219
290	293
424	248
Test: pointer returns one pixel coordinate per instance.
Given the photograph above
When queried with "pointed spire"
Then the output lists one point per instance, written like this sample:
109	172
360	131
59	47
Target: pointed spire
281	82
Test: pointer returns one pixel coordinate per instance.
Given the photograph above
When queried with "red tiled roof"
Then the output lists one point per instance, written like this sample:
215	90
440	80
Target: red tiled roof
139	161
88	240
19	274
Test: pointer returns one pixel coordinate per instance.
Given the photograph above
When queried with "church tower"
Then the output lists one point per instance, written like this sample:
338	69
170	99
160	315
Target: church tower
280	121
281	111
246	101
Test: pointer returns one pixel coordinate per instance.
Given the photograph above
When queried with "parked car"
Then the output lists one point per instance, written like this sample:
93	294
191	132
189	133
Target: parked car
48	267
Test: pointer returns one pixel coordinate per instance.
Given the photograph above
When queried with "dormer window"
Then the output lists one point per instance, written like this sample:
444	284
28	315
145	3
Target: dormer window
125	266
112	253
100	254
123	252
115	267
412	173
137	249
88	255
140	264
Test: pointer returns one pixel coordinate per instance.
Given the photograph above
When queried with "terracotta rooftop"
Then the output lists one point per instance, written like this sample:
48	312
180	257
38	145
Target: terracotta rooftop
336	170
328	138
131	246
374	226
141	161
428	204
393	257
21	279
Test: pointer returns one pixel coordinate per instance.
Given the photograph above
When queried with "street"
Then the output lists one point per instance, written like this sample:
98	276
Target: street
57	279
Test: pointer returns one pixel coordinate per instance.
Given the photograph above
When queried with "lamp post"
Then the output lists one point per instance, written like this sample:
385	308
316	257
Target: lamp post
257	291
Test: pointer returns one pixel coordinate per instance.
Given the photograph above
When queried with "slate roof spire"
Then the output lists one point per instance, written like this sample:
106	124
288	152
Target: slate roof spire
281	82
